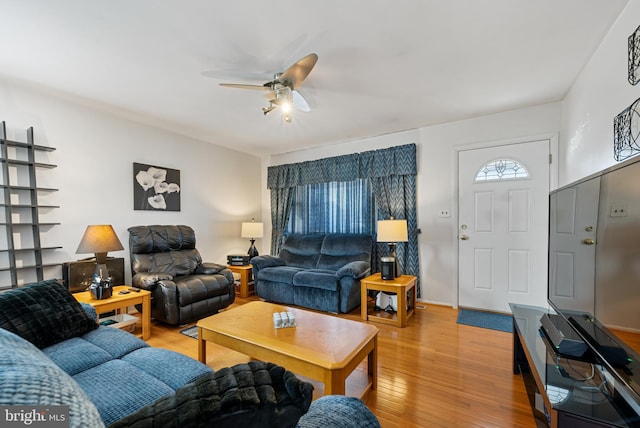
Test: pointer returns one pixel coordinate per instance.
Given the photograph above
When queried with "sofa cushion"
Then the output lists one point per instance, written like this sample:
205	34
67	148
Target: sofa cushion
196	288
316	278
172	368
301	250
76	355
173	263
282	274
92	349
119	389
164	249
28	377
115	341
43	313
338	249
160	238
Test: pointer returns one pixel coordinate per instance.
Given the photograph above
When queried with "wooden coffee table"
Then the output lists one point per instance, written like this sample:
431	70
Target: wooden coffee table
321	347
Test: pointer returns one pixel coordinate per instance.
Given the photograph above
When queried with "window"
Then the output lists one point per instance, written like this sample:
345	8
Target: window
335	207
502	169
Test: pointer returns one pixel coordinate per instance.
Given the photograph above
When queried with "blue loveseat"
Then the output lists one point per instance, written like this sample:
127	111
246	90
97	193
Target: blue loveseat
54	353
317	271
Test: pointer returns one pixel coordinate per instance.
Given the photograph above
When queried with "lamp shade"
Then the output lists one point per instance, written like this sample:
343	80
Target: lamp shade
252	230
99	239
392	231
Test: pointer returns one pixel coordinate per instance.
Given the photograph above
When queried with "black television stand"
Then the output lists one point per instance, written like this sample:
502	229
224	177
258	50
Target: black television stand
563	391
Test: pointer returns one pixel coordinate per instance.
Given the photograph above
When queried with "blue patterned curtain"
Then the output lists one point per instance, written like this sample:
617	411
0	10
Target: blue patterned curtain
391	173
281	199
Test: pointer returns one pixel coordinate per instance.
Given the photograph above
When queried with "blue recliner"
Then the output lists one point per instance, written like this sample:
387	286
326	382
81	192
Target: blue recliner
317	271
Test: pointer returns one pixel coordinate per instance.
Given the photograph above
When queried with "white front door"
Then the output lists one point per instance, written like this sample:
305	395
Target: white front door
503	226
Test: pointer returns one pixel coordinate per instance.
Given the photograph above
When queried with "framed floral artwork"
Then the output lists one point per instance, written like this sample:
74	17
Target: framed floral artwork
155	188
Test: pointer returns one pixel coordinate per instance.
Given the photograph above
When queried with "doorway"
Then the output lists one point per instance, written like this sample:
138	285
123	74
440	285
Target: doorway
503	204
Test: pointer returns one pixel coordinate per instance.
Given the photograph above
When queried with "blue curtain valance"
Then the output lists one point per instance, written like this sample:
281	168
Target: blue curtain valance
400	160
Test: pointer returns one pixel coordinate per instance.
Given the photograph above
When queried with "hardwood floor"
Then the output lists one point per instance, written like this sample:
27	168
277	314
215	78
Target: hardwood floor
433	373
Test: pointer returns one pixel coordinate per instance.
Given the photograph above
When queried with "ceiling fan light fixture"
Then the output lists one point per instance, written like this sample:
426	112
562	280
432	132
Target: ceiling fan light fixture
281	91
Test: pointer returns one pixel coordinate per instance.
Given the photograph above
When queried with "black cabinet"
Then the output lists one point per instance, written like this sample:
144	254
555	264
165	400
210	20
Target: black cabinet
22	255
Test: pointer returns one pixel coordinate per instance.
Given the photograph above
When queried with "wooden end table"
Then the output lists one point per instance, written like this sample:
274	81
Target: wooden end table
122	301
246	279
400	286
320	346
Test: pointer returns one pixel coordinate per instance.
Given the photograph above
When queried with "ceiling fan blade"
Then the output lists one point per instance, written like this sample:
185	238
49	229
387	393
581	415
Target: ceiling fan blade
299	102
295	75
245	86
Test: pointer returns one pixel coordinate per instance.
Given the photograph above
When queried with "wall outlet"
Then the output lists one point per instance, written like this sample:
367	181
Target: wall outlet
444	213
618	210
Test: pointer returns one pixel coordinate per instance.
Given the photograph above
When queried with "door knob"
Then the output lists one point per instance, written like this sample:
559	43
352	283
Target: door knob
588	241
464	237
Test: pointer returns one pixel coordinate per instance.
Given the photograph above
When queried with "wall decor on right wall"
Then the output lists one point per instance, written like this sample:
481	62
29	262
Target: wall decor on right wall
634	57
626	132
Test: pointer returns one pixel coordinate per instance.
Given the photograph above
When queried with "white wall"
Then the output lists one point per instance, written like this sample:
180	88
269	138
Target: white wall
95	153
437	148
599	93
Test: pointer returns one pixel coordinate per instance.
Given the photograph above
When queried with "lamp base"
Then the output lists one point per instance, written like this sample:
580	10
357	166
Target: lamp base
253	251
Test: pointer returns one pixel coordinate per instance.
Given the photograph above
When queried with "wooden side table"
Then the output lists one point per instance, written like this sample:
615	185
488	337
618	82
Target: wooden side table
122	301
246	279
401	286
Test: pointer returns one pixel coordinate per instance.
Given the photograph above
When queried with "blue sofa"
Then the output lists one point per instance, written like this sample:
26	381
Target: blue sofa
317	271
54	353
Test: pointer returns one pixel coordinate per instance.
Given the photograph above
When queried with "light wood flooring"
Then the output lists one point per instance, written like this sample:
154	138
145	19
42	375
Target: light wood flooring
433	373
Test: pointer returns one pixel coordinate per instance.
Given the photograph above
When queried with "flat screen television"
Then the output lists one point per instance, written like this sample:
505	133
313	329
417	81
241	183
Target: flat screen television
594	267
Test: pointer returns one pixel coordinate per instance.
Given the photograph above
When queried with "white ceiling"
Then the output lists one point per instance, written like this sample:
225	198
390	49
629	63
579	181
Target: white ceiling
383	66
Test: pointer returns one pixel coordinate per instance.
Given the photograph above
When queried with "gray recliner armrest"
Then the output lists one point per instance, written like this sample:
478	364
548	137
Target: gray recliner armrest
261	262
267	261
357	270
208	268
149	280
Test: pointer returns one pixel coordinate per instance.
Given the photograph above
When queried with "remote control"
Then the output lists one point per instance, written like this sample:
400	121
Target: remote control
135	290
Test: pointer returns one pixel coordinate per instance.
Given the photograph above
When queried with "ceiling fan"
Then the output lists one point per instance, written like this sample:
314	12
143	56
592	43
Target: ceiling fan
282	90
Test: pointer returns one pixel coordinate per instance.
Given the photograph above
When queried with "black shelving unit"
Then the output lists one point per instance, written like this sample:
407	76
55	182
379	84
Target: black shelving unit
22	211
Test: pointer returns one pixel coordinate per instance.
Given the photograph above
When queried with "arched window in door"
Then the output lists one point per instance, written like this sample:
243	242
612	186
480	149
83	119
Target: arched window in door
502	169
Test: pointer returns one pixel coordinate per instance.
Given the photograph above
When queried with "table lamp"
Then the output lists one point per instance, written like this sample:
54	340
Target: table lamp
252	230
393	231
100	239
